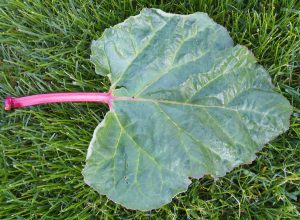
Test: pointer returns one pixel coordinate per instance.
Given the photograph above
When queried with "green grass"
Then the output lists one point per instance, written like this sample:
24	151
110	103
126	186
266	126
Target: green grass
45	47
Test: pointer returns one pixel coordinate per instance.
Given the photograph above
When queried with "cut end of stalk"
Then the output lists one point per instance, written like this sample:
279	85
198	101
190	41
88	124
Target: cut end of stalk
8	103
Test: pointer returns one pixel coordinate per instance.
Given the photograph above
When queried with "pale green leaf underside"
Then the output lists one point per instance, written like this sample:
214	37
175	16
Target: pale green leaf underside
188	103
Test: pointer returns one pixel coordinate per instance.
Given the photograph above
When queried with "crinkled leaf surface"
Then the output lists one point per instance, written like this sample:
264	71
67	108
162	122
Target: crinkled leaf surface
187	103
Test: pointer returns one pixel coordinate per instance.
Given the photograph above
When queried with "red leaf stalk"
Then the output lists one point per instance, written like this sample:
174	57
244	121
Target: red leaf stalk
11	102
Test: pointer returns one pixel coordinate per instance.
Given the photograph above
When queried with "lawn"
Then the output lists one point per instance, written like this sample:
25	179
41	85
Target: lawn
45	47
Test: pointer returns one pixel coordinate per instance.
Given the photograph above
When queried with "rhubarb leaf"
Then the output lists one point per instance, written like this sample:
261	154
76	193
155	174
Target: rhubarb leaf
187	102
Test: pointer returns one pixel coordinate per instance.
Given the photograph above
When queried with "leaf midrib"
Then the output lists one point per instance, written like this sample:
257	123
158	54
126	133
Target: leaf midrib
133	99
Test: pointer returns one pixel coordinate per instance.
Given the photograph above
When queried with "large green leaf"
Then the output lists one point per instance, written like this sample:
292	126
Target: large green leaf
187	103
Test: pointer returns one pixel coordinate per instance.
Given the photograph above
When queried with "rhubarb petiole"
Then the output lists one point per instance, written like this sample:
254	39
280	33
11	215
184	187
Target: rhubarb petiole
11	102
